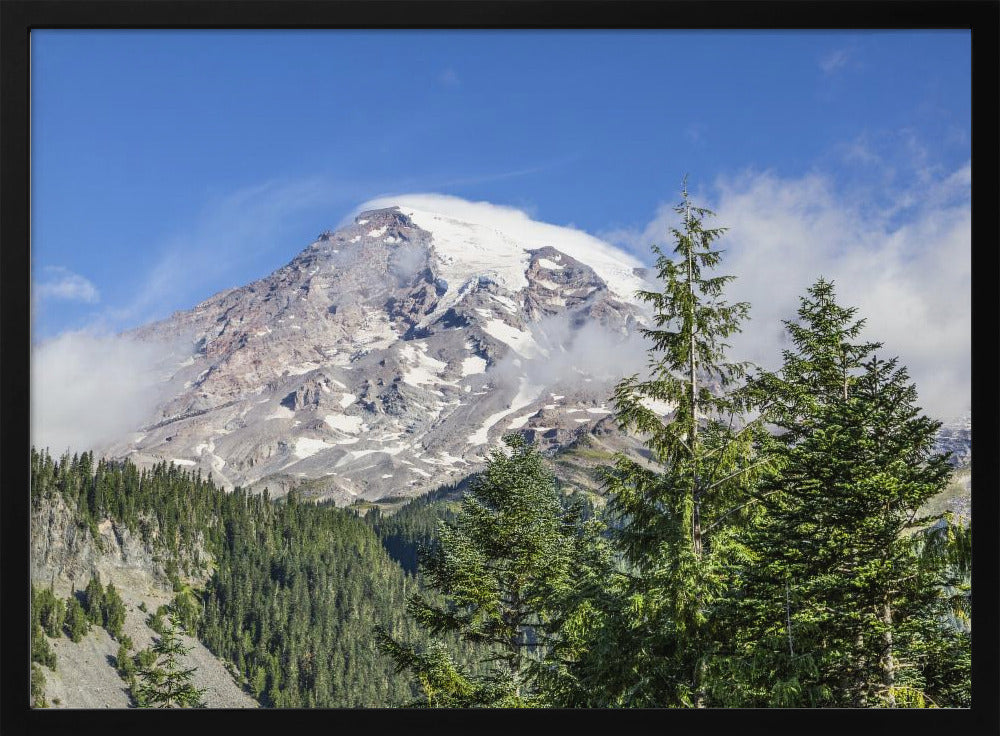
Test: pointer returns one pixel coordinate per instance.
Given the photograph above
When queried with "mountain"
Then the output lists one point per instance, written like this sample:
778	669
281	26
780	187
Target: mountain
391	354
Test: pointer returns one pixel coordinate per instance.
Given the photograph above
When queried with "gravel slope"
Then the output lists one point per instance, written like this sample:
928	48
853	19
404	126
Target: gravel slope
85	675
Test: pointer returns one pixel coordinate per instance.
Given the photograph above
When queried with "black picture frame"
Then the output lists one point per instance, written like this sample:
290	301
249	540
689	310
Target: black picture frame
19	17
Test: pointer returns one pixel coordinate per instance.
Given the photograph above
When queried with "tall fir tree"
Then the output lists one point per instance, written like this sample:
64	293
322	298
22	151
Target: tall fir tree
671	516
501	561
846	589
113	611
93	601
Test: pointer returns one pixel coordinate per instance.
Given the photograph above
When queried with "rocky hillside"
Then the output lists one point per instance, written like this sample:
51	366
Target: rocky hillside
65	556
955	437
388	356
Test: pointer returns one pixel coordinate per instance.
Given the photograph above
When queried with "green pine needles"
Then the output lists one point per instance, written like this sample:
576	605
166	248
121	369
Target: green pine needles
164	682
671	516
846	598
767	546
498	565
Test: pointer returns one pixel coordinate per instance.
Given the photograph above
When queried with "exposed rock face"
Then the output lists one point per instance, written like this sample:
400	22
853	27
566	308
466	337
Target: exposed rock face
956	437
66	555
389	356
85	675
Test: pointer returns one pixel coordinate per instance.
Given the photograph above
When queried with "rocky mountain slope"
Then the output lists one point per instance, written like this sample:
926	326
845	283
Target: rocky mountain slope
955	436
390	355
65	556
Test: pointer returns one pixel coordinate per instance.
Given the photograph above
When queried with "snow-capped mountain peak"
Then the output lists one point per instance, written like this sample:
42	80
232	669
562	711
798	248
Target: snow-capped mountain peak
389	355
496	240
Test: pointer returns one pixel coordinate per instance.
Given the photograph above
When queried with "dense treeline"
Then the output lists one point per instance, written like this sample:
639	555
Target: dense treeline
293	599
294	588
175	512
414	527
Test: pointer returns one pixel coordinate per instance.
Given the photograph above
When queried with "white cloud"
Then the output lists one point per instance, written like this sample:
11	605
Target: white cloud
567	352
89	389
65	285
904	261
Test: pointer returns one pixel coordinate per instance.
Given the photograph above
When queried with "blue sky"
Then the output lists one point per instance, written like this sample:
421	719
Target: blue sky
169	165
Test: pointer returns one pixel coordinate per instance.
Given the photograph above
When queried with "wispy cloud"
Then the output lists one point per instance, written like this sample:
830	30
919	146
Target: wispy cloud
904	262
695	132
860	151
96	385
834	60
507	174
63	284
92	388
234	231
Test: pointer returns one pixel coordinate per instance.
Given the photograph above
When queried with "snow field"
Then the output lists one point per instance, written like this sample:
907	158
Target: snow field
307	446
473	365
422	369
494	240
525	395
344	423
520	341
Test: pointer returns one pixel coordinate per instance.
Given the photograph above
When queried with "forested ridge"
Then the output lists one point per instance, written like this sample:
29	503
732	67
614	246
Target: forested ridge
770	549
293	590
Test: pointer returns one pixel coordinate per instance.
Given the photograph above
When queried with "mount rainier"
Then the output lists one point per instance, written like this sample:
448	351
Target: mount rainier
390	355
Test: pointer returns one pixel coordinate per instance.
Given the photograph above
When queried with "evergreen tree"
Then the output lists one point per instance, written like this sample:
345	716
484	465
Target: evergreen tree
499	564
113	611
689	371
846	591
164	683
93	601
670	517
49	611
41	650
38	688
124	662
77	624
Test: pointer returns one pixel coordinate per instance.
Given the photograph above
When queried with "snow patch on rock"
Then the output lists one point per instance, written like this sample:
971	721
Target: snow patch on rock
344	423
473	365
521	341
525	395
307	446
